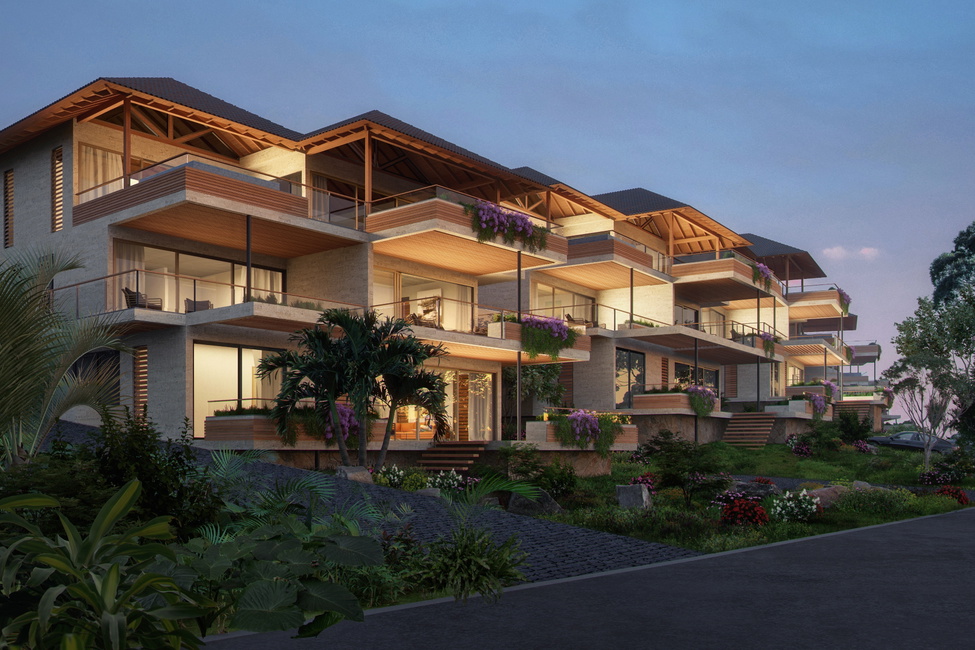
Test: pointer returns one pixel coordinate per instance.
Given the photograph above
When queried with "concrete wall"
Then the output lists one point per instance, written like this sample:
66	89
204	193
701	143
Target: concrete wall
342	274
593	385
708	429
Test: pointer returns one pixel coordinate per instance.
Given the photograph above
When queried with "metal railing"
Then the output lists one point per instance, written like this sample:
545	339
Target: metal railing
451	315
442	193
725	255
172	293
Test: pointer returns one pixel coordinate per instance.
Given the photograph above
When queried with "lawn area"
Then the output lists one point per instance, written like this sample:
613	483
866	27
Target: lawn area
696	522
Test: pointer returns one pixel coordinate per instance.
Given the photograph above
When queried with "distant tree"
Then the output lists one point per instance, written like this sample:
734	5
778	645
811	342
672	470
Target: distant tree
935	374
954	270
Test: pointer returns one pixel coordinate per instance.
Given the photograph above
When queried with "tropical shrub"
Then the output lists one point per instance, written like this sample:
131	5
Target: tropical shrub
684	464
558	478
794	506
953	492
390	476
469	562
933	477
414	481
649	479
522	461
890	503
93	590
172	483
703	400
444	481
744	512
956	465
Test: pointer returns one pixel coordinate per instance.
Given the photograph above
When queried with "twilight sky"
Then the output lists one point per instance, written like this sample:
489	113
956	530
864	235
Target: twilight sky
845	128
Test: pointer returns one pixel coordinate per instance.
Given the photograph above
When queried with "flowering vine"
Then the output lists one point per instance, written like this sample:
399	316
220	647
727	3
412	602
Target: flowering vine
831	390
583	428
762	273
703	399
768	343
545	335
888	396
818	404
844	301
490	220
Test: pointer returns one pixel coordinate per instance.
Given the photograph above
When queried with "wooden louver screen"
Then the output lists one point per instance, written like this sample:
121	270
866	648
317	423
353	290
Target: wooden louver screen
566	378
731	381
57	189
8	208
665	372
140	379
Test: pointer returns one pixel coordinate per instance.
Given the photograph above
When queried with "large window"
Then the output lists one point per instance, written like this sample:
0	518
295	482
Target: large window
225	376
686	316
100	171
470	409
555	302
631	376
181	282
423	301
684	375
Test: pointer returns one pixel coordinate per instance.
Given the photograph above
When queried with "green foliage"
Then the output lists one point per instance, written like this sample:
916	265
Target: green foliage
685	464
540	381
851	428
469	562
558	478
522	461
536	341
954	270
890	503
274	577
97	589
41	374
172	483
414	481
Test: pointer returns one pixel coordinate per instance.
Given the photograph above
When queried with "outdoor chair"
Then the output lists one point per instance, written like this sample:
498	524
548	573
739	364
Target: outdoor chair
578	321
136	299
197	305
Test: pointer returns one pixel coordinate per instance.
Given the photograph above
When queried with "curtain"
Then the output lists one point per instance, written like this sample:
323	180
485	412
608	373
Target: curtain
99	166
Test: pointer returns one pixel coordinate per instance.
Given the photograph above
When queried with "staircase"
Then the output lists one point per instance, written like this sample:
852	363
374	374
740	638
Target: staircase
749	430
452	455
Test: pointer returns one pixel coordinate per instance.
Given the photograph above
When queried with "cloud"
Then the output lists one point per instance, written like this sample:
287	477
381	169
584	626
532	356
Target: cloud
868	253
836	253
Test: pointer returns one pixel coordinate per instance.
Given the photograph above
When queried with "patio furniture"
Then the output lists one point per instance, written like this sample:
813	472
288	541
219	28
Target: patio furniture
197	305
578	321
136	299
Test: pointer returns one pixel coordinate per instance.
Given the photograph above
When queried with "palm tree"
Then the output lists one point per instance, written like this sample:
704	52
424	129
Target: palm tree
313	371
423	388
351	355
42	374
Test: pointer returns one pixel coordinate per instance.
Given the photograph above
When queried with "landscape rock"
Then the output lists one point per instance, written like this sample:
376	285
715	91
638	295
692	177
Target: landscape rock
861	485
633	496
429	492
356	473
543	505
757	490
828	495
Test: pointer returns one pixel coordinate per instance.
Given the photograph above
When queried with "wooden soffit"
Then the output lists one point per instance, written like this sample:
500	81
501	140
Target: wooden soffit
600	276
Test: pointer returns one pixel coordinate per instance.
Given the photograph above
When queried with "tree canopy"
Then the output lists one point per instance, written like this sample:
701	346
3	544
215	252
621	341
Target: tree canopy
954	270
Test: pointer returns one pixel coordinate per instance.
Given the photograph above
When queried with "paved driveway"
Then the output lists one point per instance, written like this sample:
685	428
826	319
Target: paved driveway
903	585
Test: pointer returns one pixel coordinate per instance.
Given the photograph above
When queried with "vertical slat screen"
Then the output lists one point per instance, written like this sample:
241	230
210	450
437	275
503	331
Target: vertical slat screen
140	379
57	189
8	208
665	372
731	381
566	379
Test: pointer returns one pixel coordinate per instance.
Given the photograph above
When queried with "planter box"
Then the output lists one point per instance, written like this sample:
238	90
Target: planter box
663	401
246	428
793	407
545	432
511	331
792	391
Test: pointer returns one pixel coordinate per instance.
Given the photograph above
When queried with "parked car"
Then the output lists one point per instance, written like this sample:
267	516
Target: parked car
912	440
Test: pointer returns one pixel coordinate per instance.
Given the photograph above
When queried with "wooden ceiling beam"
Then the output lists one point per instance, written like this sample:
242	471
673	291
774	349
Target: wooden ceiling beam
145	120
191	136
98	112
337	142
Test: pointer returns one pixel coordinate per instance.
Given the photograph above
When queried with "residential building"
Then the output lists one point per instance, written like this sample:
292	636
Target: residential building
213	233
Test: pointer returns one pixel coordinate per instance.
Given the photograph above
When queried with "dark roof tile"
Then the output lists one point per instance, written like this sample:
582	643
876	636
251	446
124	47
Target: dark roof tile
638	201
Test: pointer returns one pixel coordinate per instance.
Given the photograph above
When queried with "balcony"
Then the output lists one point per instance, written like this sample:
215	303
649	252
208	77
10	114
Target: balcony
726	281
152	300
473	331
817	350
815	303
196	198
430	226
609	260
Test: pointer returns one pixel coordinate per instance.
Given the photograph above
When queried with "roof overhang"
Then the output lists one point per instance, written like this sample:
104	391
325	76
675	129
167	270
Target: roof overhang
710	348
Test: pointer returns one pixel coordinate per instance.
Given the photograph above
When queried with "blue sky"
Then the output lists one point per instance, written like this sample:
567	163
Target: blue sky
843	128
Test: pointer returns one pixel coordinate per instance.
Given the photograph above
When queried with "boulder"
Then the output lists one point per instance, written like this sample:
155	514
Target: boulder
543	505
353	473
828	495
429	492
757	490
633	496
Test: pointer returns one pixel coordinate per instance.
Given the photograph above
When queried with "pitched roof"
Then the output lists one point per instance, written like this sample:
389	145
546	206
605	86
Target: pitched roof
537	176
638	201
176	91
775	255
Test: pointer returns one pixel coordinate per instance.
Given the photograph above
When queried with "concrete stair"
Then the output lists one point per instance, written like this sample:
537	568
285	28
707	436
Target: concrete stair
749	430
452	455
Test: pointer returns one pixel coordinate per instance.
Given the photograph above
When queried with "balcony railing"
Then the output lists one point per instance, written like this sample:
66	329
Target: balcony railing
322	205
452	196
450	315
726	255
166	292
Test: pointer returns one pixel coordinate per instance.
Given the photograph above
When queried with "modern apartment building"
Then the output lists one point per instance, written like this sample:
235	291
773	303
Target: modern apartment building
213	234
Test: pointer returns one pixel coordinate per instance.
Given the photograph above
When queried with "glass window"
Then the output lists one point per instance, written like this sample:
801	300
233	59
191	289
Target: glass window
630	376
555	302
684	375
225	376
424	301
685	316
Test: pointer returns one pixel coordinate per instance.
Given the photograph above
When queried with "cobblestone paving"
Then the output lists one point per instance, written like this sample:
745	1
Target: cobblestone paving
554	550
